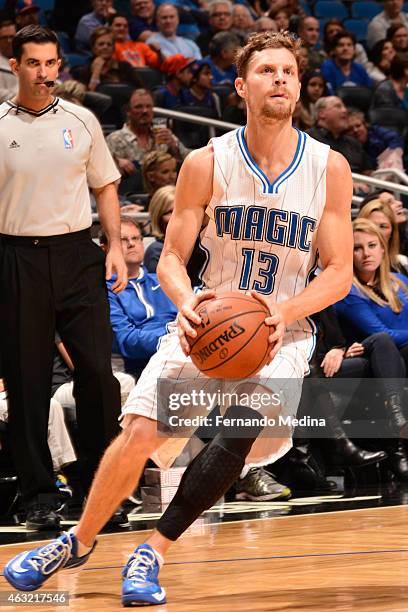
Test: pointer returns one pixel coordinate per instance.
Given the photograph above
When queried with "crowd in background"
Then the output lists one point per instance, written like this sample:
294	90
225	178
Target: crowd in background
121	58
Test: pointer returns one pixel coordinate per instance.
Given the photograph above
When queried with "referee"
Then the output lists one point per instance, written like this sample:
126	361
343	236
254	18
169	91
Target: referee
52	275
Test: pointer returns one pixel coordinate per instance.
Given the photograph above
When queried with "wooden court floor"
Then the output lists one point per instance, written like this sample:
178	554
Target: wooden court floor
347	560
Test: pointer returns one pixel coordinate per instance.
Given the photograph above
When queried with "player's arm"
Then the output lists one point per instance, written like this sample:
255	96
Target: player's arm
335	245
193	193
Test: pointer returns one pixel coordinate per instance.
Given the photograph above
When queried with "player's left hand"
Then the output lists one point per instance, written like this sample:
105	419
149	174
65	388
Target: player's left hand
276	321
115	264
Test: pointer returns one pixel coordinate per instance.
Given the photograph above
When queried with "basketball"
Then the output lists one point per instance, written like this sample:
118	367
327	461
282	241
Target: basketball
232	340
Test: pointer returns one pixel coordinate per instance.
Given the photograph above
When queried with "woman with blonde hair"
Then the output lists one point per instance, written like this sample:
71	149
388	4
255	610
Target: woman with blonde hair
159	168
382	215
377	306
160	209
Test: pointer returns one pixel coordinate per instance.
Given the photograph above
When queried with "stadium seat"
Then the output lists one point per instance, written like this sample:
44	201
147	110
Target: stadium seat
65	42
45	5
76	59
188	30
393	118
366	9
192	135
358	27
131	184
325	9
356	96
149	77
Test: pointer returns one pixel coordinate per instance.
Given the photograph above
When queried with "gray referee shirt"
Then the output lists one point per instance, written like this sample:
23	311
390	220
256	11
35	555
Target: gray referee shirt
47	161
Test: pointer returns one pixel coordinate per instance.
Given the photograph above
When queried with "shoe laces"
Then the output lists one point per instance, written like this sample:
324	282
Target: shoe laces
52	556
141	564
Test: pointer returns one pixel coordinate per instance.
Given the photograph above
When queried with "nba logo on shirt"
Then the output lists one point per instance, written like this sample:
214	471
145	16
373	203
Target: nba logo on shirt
68	138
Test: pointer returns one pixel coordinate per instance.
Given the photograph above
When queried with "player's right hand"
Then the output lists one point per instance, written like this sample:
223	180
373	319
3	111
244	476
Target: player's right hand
187	315
276	321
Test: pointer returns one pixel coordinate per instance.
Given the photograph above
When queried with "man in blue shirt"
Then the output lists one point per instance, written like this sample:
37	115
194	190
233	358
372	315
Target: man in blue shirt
342	70
221	60
142	19
140	314
88	23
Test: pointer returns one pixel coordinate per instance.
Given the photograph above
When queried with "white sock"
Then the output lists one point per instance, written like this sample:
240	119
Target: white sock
82	549
245	471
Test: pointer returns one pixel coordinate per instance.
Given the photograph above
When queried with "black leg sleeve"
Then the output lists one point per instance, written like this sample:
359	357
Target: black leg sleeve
210	474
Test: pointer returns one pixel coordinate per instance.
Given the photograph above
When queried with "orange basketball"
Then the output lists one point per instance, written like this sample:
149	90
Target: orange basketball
232	340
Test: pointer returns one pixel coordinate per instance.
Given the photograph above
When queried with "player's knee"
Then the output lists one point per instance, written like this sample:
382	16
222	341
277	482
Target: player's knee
140	435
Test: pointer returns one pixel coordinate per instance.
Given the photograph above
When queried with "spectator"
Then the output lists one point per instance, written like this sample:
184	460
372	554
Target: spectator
391	93
158	169
200	91
309	32
333	360
332	27
8	80
178	70
103	68
219	20
381	56
391	15
27	15
281	17
242	21
88	23
398	36
142	19
313	88
378	300
342	70
140	314
62	386
160	209
265	24
400	214
383	217
222	55
130	144
382	145
335	26
59	441
167	20
136	53
331	129
303	62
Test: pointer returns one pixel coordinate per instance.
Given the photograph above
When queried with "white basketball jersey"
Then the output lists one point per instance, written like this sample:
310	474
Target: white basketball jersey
262	235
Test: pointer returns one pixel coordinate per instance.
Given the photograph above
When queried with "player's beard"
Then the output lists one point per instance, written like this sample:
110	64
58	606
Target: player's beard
272	114
280	112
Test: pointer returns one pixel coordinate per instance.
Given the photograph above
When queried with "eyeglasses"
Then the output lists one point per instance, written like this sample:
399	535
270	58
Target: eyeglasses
6	37
131	239
224	14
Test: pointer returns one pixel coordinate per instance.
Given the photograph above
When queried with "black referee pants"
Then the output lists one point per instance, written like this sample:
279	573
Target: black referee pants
49	283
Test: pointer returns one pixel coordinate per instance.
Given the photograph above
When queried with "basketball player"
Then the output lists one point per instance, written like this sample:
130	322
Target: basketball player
265	200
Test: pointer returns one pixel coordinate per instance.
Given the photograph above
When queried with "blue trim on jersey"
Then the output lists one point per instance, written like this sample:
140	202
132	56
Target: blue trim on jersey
308	319
295	163
253	166
205	264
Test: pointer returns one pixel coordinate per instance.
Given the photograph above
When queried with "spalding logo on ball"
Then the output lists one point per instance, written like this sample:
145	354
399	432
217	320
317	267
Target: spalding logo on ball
232	339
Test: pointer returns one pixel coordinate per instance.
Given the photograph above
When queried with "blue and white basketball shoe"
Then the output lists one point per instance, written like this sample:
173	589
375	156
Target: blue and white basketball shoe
141	579
29	570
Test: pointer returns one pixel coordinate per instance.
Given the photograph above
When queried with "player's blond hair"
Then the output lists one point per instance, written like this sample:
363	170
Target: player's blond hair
385	289
266	40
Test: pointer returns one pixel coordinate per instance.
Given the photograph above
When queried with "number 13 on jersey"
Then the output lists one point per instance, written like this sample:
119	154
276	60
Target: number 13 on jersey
266	272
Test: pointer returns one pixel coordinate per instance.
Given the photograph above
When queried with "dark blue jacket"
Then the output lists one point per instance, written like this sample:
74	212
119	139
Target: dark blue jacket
139	317
360	317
